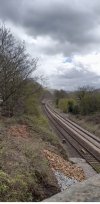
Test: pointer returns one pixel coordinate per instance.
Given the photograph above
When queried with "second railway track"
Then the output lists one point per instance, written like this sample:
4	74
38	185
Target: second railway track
86	144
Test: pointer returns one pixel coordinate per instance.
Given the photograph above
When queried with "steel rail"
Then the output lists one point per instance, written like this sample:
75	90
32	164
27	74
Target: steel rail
76	140
79	131
77	126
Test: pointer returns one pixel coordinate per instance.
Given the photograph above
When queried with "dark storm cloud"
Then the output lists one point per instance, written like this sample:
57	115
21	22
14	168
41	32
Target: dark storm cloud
75	78
72	24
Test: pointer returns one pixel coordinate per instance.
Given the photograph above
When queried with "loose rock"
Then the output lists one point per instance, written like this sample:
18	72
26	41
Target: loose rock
67	168
63	181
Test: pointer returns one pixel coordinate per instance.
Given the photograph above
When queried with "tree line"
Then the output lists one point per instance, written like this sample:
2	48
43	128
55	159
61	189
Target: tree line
86	100
16	67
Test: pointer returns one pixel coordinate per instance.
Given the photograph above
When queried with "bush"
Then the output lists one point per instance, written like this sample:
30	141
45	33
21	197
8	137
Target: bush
31	106
56	102
62	104
87	101
61	94
76	109
90	104
68	105
73	106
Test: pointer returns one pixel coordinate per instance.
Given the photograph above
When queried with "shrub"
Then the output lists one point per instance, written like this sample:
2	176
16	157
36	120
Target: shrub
75	109
31	106
87	101
73	106
68	105
90	104
62	104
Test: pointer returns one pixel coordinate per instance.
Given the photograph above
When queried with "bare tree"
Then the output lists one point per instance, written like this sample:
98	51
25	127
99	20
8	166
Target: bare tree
82	91
15	67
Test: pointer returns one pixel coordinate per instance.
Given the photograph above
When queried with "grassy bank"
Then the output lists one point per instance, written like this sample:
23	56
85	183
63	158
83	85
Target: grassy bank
25	174
90	122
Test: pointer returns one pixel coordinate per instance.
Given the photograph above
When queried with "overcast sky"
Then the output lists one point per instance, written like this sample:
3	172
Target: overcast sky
63	34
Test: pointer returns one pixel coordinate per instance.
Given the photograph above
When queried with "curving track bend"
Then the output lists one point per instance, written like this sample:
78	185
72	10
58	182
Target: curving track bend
86	144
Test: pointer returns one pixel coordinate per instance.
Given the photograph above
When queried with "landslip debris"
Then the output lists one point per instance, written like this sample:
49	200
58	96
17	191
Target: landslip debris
63	181
67	168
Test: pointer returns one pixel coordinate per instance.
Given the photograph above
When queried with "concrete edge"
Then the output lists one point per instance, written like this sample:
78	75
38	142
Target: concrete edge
86	191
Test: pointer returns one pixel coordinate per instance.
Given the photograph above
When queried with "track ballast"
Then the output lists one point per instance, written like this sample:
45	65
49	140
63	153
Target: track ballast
86	144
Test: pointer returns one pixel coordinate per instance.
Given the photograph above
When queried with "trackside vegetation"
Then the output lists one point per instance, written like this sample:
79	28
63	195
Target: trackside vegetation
25	173
81	106
84	101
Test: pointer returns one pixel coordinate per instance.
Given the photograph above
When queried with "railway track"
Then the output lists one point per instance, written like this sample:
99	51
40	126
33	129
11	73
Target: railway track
86	144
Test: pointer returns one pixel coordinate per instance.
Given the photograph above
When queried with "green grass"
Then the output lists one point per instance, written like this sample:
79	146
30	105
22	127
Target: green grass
13	189
41	126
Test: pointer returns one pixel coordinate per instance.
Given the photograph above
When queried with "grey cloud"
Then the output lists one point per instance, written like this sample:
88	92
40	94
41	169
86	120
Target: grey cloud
71	23
75	78
73	26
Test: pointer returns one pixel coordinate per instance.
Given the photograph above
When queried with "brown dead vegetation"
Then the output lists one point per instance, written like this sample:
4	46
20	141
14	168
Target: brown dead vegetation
18	131
66	167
